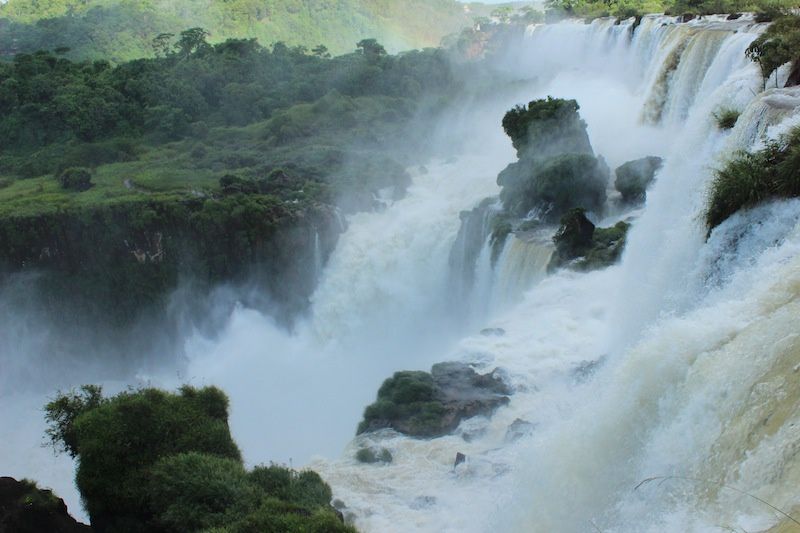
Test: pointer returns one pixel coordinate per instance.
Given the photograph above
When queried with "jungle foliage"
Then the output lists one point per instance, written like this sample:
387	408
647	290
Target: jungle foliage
155	461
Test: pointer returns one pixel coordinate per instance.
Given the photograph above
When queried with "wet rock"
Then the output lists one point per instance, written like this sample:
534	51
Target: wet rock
582	246
734	16
493	332
519	428
460	458
634	177
432	404
586	369
25	508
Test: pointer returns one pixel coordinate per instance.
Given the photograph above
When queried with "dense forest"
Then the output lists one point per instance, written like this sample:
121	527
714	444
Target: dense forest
205	161
119	30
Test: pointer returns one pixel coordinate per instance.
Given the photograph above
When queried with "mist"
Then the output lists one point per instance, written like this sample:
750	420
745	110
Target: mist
623	373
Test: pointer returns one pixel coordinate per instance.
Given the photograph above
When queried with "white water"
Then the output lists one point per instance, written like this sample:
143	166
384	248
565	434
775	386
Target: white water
696	341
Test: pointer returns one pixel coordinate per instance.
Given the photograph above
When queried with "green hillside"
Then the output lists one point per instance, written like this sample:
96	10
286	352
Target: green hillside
123	29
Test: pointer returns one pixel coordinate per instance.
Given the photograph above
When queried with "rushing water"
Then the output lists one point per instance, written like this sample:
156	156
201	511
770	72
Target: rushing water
682	360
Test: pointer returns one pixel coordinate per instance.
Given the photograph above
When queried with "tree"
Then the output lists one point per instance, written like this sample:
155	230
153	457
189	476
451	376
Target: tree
151	461
162	44
321	51
192	41
371	48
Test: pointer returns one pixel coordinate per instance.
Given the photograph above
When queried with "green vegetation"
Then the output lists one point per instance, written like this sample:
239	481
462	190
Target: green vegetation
556	170
432	404
121	30
778	45
752	178
151	461
204	162
547	127
766	9
75	179
581	246
726	118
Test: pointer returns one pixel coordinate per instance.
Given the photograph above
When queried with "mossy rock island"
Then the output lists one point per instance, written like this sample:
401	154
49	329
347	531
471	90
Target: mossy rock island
432	404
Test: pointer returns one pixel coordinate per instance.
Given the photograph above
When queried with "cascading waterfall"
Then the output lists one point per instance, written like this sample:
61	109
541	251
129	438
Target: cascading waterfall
678	361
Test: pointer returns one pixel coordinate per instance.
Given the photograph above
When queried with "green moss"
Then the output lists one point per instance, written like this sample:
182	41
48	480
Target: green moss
410	396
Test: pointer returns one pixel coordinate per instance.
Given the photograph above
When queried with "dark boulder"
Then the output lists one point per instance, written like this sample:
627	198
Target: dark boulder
634	177
432	404
553	186
25	508
582	246
460	458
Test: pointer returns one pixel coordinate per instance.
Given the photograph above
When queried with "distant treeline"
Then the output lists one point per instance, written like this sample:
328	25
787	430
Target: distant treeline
120	30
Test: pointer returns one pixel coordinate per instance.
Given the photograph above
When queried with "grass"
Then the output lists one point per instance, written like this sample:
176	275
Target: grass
726	118
752	178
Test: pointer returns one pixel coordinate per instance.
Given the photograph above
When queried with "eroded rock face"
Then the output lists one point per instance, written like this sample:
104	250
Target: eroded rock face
432	404
25	508
582	246
634	177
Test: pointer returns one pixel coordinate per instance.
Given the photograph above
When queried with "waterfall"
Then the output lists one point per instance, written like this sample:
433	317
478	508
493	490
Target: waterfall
676	362
682	360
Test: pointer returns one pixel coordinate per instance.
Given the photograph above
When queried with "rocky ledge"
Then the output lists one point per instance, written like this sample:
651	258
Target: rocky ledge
432	404
25	508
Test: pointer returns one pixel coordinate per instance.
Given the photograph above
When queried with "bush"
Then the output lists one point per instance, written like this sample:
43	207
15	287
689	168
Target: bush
194	491
152	461
752	178
305	488
75	179
118	441
726	118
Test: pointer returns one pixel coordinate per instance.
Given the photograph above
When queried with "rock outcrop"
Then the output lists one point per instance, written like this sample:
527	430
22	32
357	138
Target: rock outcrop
582	246
634	177
25	508
432	404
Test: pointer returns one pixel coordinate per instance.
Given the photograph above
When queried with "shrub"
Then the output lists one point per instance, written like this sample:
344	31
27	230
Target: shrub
304	488
726	118
751	178
194	491
75	179
118	440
